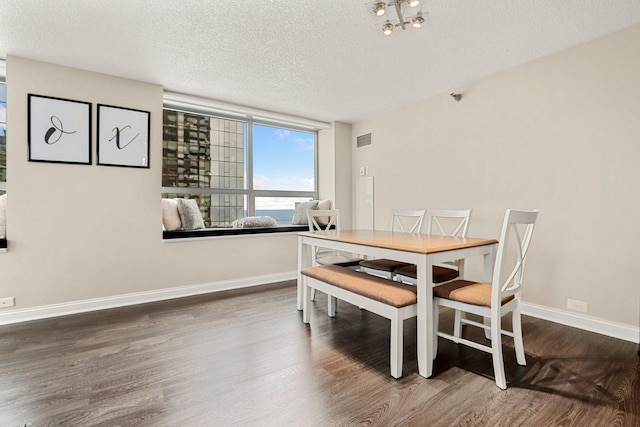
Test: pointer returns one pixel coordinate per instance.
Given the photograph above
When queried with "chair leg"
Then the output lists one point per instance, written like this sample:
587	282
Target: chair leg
436	319
457	323
306	302
487	331
496	351
396	344
331	305
313	294
517	337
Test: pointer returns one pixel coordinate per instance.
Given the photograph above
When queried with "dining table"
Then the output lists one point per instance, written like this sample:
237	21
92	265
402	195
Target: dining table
420	249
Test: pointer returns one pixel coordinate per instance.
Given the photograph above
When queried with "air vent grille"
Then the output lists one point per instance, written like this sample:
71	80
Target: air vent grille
363	140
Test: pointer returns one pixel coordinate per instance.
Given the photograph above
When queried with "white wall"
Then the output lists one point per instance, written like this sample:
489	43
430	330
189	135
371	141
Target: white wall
561	134
334	175
79	232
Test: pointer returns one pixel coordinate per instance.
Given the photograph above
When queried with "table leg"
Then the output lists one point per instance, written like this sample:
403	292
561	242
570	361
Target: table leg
303	261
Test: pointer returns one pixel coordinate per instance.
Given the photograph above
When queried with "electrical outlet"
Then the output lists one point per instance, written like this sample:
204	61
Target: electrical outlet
579	306
7	302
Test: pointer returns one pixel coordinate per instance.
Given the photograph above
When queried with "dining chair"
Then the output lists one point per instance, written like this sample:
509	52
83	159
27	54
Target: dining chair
405	221
493	300
322	220
443	222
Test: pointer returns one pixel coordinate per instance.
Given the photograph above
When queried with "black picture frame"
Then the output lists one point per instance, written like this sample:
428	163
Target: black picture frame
59	130
123	136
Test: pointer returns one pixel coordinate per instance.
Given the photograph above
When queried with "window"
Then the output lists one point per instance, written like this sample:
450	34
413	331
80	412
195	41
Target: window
237	167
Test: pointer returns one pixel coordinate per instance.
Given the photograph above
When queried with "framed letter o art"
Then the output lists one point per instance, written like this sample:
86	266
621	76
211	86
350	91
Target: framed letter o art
123	137
59	130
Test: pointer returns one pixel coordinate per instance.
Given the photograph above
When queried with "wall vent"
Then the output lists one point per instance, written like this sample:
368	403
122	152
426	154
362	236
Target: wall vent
364	140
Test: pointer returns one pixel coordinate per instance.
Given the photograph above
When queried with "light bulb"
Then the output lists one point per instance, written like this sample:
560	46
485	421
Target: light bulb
413	3
417	21
379	8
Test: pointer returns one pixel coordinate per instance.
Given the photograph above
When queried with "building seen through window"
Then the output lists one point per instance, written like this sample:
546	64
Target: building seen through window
236	168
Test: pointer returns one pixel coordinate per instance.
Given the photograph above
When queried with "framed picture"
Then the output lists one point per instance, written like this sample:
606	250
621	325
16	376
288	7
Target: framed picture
123	137
59	130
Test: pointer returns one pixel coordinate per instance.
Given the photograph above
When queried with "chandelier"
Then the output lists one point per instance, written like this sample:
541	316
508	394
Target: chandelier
406	13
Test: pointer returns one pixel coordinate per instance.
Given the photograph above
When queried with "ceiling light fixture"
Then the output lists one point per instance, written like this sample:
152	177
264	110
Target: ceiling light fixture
379	8
387	28
402	18
418	20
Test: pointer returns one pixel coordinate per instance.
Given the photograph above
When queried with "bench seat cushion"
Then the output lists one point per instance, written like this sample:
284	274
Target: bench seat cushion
440	274
383	264
468	292
377	288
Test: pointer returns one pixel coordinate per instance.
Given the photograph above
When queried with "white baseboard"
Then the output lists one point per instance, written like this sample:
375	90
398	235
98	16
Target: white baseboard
83	306
581	321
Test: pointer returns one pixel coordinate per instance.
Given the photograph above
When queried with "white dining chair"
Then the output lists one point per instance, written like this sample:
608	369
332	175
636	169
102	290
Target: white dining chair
493	300
443	222
405	221
322	220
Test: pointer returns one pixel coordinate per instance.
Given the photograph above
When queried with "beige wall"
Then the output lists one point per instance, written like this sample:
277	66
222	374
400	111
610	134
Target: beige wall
334	164
78	232
560	134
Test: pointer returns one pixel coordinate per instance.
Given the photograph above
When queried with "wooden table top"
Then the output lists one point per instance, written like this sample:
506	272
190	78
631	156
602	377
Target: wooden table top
420	243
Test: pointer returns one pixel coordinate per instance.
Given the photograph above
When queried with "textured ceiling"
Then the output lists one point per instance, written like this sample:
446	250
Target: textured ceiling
323	60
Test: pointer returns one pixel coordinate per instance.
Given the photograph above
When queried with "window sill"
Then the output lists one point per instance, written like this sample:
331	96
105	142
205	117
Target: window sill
230	232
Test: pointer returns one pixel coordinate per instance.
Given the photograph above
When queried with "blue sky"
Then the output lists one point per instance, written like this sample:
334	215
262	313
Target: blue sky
283	159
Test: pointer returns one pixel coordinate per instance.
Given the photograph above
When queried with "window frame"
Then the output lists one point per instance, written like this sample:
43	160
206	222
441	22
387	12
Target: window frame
249	117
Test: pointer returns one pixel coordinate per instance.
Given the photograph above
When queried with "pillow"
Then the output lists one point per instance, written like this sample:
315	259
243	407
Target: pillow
254	221
323	205
3	216
190	214
170	216
300	214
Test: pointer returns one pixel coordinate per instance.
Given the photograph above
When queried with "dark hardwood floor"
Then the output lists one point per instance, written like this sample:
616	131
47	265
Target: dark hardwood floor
244	357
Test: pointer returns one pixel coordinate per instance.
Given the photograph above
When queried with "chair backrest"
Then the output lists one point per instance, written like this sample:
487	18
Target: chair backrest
513	248
320	220
407	221
448	222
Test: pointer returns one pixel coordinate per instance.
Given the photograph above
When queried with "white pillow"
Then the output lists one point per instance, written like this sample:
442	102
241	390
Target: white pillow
300	214
254	221
323	205
170	216
190	215
3	216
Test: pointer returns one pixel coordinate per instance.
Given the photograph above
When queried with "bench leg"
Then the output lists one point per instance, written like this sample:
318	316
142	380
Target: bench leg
396	344
306	300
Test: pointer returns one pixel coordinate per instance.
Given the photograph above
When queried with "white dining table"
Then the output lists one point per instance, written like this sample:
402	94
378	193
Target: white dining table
420	249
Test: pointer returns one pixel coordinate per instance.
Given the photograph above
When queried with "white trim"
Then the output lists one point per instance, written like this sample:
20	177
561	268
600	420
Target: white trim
178	100
3	68
83	306
588	323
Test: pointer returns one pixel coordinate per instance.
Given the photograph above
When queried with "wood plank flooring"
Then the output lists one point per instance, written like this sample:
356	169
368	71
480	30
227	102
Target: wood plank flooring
245	358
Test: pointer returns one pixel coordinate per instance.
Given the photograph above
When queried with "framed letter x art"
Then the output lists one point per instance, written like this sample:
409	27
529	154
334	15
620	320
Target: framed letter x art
59	130
123	137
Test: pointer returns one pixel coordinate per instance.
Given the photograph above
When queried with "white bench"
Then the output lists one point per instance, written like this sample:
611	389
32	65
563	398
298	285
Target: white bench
394	300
